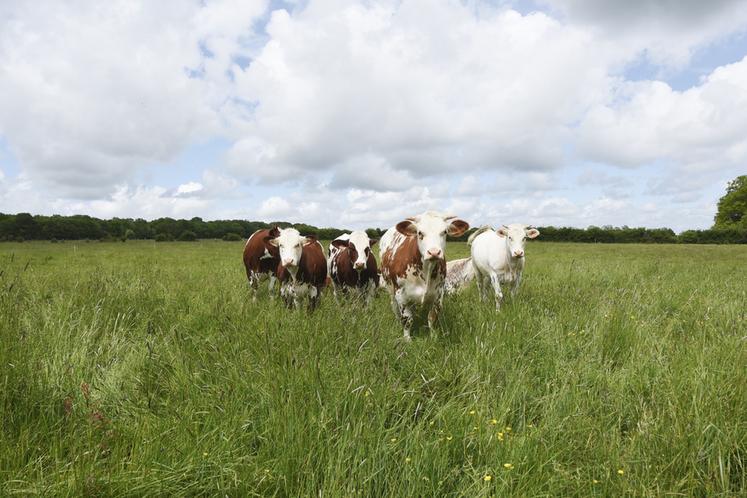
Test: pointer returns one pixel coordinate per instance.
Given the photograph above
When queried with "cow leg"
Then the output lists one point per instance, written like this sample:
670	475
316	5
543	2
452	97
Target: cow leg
482	286
253	280
314	296
286	292
515	286
403	312
433	315
271	286
496	281
370	292
406	318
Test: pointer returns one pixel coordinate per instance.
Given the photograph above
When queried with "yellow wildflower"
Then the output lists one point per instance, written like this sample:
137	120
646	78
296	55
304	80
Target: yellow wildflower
204	454
408	460
595	481
508	466
487	478
449	438
620	471
493	421
393	440
508	428
472	412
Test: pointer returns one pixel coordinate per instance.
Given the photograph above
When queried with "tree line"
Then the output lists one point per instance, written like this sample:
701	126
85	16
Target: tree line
730	227
24	226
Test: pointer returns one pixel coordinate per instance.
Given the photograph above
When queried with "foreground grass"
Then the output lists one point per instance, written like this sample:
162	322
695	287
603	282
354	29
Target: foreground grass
142	369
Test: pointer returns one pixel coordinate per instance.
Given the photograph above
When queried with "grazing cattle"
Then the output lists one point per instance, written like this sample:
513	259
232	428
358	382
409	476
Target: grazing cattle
413	265
303	268
498	258
352	265
261	258
459	273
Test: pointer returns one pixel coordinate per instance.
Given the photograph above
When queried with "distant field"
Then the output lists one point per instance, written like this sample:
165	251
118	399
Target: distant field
142	369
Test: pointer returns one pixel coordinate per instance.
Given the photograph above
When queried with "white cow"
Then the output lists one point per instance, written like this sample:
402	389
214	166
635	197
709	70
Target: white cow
498	258
459	273
413	265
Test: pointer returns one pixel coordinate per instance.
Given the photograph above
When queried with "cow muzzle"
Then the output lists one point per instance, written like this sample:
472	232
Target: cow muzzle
359	265
518	254
434	254
289	263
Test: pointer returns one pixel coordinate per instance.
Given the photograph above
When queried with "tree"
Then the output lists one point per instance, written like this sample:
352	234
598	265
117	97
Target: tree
732	207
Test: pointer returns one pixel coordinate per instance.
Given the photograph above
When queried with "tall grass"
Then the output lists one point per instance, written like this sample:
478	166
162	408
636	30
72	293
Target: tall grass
143	369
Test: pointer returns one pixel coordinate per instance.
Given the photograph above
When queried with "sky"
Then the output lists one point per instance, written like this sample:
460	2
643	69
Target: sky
357	114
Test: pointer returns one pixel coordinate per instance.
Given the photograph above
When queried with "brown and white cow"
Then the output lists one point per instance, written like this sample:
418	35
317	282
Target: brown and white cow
303	267
352	265
413	265
261	259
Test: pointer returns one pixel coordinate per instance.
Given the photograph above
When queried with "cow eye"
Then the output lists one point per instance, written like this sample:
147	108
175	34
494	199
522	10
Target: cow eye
420	235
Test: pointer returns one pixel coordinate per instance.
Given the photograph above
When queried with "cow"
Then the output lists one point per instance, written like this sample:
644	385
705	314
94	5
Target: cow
352	264
498	258
459	273
413	265
261	259
302	271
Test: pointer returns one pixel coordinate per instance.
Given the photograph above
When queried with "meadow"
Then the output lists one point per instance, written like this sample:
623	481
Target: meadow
143	369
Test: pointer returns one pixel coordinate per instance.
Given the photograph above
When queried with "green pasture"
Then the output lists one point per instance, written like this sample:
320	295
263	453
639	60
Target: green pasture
143	369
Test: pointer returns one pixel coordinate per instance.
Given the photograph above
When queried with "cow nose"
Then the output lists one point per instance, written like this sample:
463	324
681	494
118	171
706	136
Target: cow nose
434	253
287	262
358	265
518	254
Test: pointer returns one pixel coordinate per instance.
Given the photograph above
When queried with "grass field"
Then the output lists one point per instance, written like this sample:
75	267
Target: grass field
142	369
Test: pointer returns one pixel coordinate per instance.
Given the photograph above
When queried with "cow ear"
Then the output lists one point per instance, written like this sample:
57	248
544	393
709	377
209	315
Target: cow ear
308	239
274	233
532	233
339	243
502	232
457	227
273	242
407	227
371	242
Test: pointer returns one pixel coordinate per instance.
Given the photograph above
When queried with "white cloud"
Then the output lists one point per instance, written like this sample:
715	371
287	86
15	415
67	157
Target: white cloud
369	112
701	128
89	92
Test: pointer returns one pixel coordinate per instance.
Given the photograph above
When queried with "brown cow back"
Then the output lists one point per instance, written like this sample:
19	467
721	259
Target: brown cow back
256	247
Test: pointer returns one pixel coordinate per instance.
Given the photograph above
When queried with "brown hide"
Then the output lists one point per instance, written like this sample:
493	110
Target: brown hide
343	273
257	246
312	267
394	265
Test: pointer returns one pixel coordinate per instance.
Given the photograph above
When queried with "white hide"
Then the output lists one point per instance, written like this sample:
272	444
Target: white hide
459	273
498	258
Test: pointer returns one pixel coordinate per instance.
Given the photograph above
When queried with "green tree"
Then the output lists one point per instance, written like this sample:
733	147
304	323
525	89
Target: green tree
732	207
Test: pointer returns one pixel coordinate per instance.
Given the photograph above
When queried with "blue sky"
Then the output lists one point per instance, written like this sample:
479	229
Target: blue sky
357	114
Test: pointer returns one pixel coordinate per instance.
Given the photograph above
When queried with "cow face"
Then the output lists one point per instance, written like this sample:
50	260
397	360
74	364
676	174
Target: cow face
290	243
516	236
431	229
359	247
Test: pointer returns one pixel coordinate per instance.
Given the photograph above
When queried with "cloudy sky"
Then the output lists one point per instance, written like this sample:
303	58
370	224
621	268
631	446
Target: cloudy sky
356	114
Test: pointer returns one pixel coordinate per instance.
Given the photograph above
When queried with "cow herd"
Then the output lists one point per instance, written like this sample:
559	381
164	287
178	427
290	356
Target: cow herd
412	258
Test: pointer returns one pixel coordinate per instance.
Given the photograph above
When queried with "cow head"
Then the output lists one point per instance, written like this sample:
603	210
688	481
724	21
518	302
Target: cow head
290	243
359	247
516	235
431	229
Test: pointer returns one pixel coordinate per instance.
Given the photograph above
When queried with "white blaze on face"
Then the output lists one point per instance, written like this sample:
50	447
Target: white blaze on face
431	229
516	235
290	243
362	245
